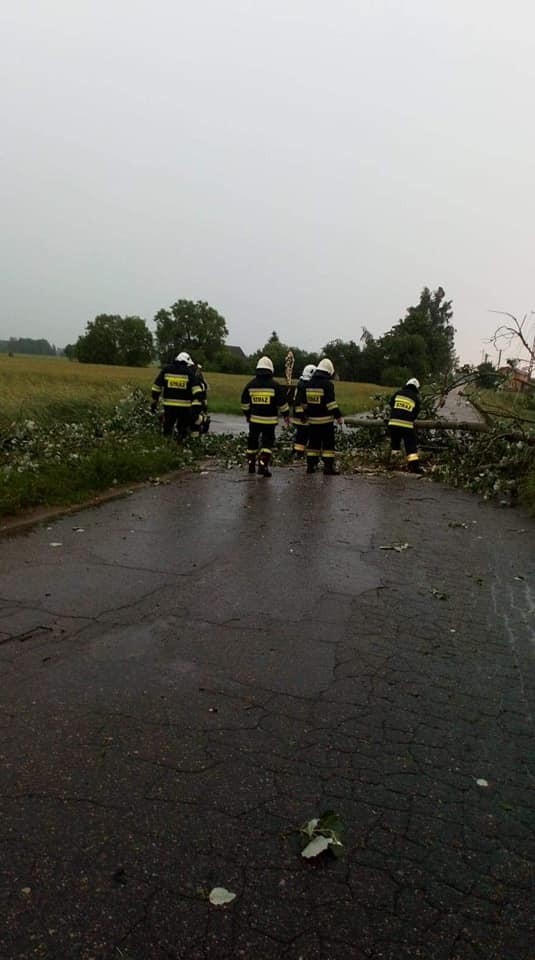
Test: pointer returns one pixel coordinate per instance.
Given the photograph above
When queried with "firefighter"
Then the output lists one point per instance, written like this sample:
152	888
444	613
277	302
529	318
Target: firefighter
200	419
404	410
262	401
182	395
298	412
321	410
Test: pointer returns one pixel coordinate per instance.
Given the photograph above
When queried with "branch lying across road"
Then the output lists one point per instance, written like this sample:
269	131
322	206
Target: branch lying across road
468	426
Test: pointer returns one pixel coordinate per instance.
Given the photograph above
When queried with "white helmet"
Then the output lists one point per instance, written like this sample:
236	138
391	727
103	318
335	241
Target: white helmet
184	358
326	366
266	365
413	382
308	371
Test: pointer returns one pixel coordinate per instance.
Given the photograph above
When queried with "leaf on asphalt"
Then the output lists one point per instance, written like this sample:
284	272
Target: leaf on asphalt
56	544
438	594
310	826
398	547
482	783
520	577
316	846
323	833
458	523
219	896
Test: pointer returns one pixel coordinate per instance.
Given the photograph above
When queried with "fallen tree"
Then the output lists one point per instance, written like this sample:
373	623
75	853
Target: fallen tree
464	426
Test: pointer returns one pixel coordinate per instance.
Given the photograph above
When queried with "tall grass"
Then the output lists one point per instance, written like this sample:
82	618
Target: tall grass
50	388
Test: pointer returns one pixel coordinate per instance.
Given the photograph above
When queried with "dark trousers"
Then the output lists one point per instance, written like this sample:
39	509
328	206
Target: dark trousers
320	442
408	436
301	437
181	416
261	440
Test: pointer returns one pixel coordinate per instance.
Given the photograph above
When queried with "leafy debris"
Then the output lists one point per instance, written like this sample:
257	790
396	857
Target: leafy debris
322	833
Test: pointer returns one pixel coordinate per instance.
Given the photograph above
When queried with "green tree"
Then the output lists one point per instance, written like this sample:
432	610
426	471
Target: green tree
346	358
429	320
405	352
134	342
115	340
277	351
195	327
99	343
487	376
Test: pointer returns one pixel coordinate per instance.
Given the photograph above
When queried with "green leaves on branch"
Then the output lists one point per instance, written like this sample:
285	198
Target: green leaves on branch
323	833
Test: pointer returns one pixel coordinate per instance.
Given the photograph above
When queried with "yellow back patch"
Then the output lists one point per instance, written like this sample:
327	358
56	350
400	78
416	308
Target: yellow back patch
261	396
176	383
403	403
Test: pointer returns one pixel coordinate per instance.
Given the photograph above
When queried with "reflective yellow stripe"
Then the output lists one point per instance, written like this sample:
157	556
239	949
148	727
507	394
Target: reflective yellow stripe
312	453
177	403
401	423
299	447
197	389
265	450
246	406
284	408
412	456
253	451
332	405
272	421
156	389
327	453
314	420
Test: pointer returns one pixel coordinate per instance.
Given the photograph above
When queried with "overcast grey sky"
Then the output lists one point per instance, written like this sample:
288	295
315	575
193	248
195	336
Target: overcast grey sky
303	165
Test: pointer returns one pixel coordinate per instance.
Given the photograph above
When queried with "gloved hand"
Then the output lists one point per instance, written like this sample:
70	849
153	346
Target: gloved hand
153	407
340	421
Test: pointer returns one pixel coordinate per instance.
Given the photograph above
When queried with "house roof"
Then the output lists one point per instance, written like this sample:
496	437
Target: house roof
236	352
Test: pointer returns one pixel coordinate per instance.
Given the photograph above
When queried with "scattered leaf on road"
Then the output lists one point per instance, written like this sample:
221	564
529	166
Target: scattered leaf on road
316	846
482	783
56	544
438	594
398	547
219	896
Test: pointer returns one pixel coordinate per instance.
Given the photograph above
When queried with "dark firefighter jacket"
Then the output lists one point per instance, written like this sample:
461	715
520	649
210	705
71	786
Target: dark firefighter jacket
404	408
321	405
298	404
180	387
263	400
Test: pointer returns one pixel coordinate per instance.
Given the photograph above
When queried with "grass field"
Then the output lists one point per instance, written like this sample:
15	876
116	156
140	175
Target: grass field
49	388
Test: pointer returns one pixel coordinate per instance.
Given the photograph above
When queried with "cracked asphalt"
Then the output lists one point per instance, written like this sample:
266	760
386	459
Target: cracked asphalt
201	667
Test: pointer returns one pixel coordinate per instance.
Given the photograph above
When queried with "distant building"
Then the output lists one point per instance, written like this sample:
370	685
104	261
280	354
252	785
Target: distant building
519	381
236	352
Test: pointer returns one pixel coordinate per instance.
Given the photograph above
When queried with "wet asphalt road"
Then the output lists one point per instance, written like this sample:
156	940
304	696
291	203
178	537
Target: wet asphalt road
201	667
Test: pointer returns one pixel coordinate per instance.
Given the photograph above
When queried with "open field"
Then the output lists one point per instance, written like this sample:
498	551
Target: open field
46	388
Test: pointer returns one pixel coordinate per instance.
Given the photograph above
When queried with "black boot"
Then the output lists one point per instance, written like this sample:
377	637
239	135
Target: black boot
312	463
415	467
252	464
330	469
263	465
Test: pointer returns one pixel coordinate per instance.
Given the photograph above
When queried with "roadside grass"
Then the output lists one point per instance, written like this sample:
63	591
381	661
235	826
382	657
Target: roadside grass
51	388
505	403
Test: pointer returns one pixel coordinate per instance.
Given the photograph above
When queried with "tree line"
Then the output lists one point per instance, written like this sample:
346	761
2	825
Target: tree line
40	348
420	344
